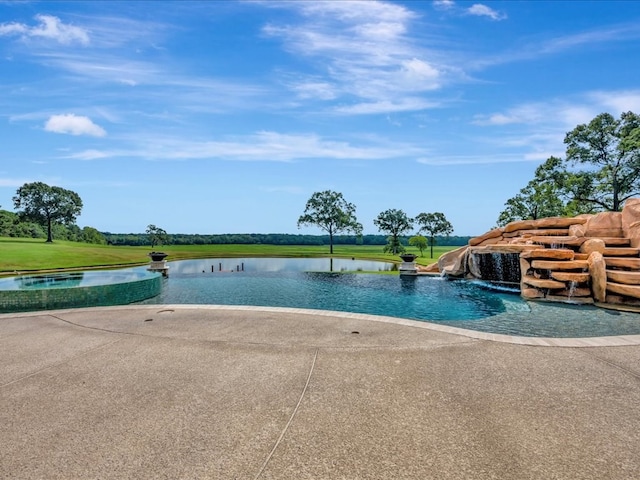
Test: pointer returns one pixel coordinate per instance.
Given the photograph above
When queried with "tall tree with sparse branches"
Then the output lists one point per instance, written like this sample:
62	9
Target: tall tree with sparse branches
157	235
329	211
47	205
434	224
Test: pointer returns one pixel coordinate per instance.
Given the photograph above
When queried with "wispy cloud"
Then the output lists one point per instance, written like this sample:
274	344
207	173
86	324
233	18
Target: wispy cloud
73	125
48	28
443	4
366	51
406	104
472	159
617	102
565	112
556	45
477	9
264	146
481	10
612	33
537	130
12	182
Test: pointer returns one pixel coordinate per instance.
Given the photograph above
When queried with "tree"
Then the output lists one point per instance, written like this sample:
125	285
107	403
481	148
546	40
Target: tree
47	205
542	197
395	223
91	235
610	150
330	212
420	242
157	235
434	224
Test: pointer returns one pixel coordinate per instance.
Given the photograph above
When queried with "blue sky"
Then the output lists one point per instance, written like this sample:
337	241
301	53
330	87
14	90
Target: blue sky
225	116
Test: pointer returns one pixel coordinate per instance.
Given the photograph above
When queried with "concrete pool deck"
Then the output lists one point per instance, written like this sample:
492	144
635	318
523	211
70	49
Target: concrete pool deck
168	391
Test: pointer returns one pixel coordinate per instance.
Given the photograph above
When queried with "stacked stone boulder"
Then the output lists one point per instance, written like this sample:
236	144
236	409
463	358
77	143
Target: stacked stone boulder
585	259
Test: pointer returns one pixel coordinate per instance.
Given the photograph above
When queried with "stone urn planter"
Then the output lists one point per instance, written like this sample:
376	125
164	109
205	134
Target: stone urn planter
158	263
408	266
158	256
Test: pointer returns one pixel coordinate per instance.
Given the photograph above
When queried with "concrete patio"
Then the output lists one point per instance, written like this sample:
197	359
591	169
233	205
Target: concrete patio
197	392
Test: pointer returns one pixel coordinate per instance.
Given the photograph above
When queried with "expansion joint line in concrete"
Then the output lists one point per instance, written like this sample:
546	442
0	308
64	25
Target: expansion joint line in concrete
626	370
293	414
62	362
106	330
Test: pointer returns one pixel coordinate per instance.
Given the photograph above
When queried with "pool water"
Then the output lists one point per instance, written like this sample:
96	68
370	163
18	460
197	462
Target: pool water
460	303
74	279
431	299
25	293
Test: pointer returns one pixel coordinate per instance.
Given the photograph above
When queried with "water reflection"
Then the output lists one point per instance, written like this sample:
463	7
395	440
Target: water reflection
66	280
261	264
74	279
408	283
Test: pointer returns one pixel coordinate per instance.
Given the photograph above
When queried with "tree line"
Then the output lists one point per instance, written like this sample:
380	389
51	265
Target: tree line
600	172
12	226
141	239
44	208
16	226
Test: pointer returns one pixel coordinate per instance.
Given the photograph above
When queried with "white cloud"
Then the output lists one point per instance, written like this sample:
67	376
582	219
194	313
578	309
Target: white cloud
480	10
386	106
50	28
565	113
319	90
526	113
365	52
264	146
12	182
92	155
617	102
443	4
537	130
473	159
74	125
419	73
477	9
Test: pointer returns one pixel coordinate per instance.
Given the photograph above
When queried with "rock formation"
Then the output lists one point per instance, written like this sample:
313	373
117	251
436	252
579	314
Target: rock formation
585	259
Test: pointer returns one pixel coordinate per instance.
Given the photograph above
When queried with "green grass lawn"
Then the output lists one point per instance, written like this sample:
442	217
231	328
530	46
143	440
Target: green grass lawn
30	255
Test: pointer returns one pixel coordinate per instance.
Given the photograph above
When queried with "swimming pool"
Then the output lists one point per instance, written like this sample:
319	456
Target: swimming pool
459	303
49	291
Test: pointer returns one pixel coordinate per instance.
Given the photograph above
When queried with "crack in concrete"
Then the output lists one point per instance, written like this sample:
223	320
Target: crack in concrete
626	370
293	414
57	364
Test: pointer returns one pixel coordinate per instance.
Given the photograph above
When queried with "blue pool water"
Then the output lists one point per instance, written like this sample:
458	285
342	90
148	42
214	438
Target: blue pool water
50	291
464	304
74	279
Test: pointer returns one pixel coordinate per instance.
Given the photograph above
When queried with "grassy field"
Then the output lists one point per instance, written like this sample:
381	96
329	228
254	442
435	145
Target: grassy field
30	255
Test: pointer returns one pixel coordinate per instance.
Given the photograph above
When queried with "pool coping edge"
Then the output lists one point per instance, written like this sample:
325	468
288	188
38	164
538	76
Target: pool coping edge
576	342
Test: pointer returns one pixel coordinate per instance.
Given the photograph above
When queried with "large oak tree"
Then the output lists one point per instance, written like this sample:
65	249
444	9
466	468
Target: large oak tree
395	223
329	211
46	205
600	172
608	150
